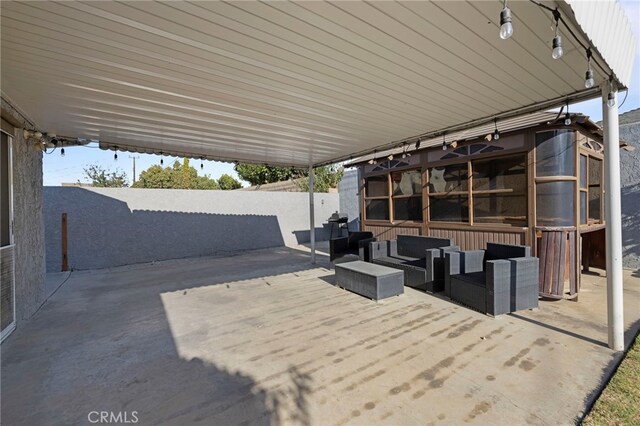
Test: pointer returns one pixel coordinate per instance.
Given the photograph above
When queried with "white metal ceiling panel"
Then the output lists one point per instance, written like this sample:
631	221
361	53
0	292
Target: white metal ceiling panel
291	83
609	30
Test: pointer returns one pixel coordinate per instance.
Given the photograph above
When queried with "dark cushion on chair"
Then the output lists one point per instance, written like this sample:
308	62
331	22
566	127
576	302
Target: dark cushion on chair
416	245
497	251
475	278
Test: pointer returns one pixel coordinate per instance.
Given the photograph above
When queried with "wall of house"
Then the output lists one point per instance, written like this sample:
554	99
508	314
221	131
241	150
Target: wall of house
28	228
120	226
350	198
630	185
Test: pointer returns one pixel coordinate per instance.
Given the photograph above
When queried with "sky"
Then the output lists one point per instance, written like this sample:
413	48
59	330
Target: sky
69	169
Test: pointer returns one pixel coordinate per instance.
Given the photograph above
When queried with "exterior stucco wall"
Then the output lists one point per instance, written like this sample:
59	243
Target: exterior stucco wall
349	198
630	184
28	228
120	226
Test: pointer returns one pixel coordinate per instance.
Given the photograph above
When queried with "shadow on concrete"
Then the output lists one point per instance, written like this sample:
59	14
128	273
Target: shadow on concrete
103	232
106	344
557	329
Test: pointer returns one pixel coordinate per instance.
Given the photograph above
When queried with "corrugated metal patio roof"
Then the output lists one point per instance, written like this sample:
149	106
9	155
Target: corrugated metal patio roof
293	83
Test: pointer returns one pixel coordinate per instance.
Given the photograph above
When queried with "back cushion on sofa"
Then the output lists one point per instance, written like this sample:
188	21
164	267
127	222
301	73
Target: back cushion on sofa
505	251
416	245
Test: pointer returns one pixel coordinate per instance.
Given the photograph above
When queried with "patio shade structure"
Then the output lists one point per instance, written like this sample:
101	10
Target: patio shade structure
309	83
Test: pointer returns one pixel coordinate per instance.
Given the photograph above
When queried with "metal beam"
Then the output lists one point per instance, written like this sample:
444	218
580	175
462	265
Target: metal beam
613	217
312	226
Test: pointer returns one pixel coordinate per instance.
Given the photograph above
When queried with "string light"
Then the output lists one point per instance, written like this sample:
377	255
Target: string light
506	27
567	116
405	154
496	132
611	97
61	152
201	165
444	142
161	159
589	82
115	155
373	160
557	40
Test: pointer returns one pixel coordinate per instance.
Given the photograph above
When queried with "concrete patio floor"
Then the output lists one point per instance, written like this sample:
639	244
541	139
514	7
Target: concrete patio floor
264	338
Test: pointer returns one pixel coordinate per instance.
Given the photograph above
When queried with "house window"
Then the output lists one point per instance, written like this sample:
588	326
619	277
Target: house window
396	196
449	193
595	189
555	178
555	203
584	188
5	193
554	153
376	202
498	192
407	195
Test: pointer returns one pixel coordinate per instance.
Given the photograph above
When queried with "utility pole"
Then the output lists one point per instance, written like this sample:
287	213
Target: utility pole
134	166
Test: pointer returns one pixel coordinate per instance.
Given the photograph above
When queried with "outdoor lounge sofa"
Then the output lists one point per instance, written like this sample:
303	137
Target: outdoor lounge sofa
420	257
501	279
356	244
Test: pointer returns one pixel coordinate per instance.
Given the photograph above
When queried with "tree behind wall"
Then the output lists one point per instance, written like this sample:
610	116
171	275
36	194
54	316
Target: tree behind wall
102	178
227	182
177	176
325	177
257	174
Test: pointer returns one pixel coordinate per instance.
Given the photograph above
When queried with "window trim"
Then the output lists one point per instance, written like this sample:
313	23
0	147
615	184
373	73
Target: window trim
470	193
390	197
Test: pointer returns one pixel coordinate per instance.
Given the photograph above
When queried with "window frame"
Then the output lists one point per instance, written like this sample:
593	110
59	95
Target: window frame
469	192
390	197
586	189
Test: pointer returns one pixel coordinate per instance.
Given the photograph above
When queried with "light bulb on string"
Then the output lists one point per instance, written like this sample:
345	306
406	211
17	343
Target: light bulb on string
444	143
373	160
496	132
589	82
557	51
611	97
557	48
61	152
115	155
506	27
567	117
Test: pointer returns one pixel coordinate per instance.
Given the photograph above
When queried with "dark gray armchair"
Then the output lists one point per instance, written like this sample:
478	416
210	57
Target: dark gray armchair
501	279
420	257
355	244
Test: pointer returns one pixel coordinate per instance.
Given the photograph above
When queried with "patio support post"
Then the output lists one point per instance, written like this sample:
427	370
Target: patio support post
312	228
613	217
